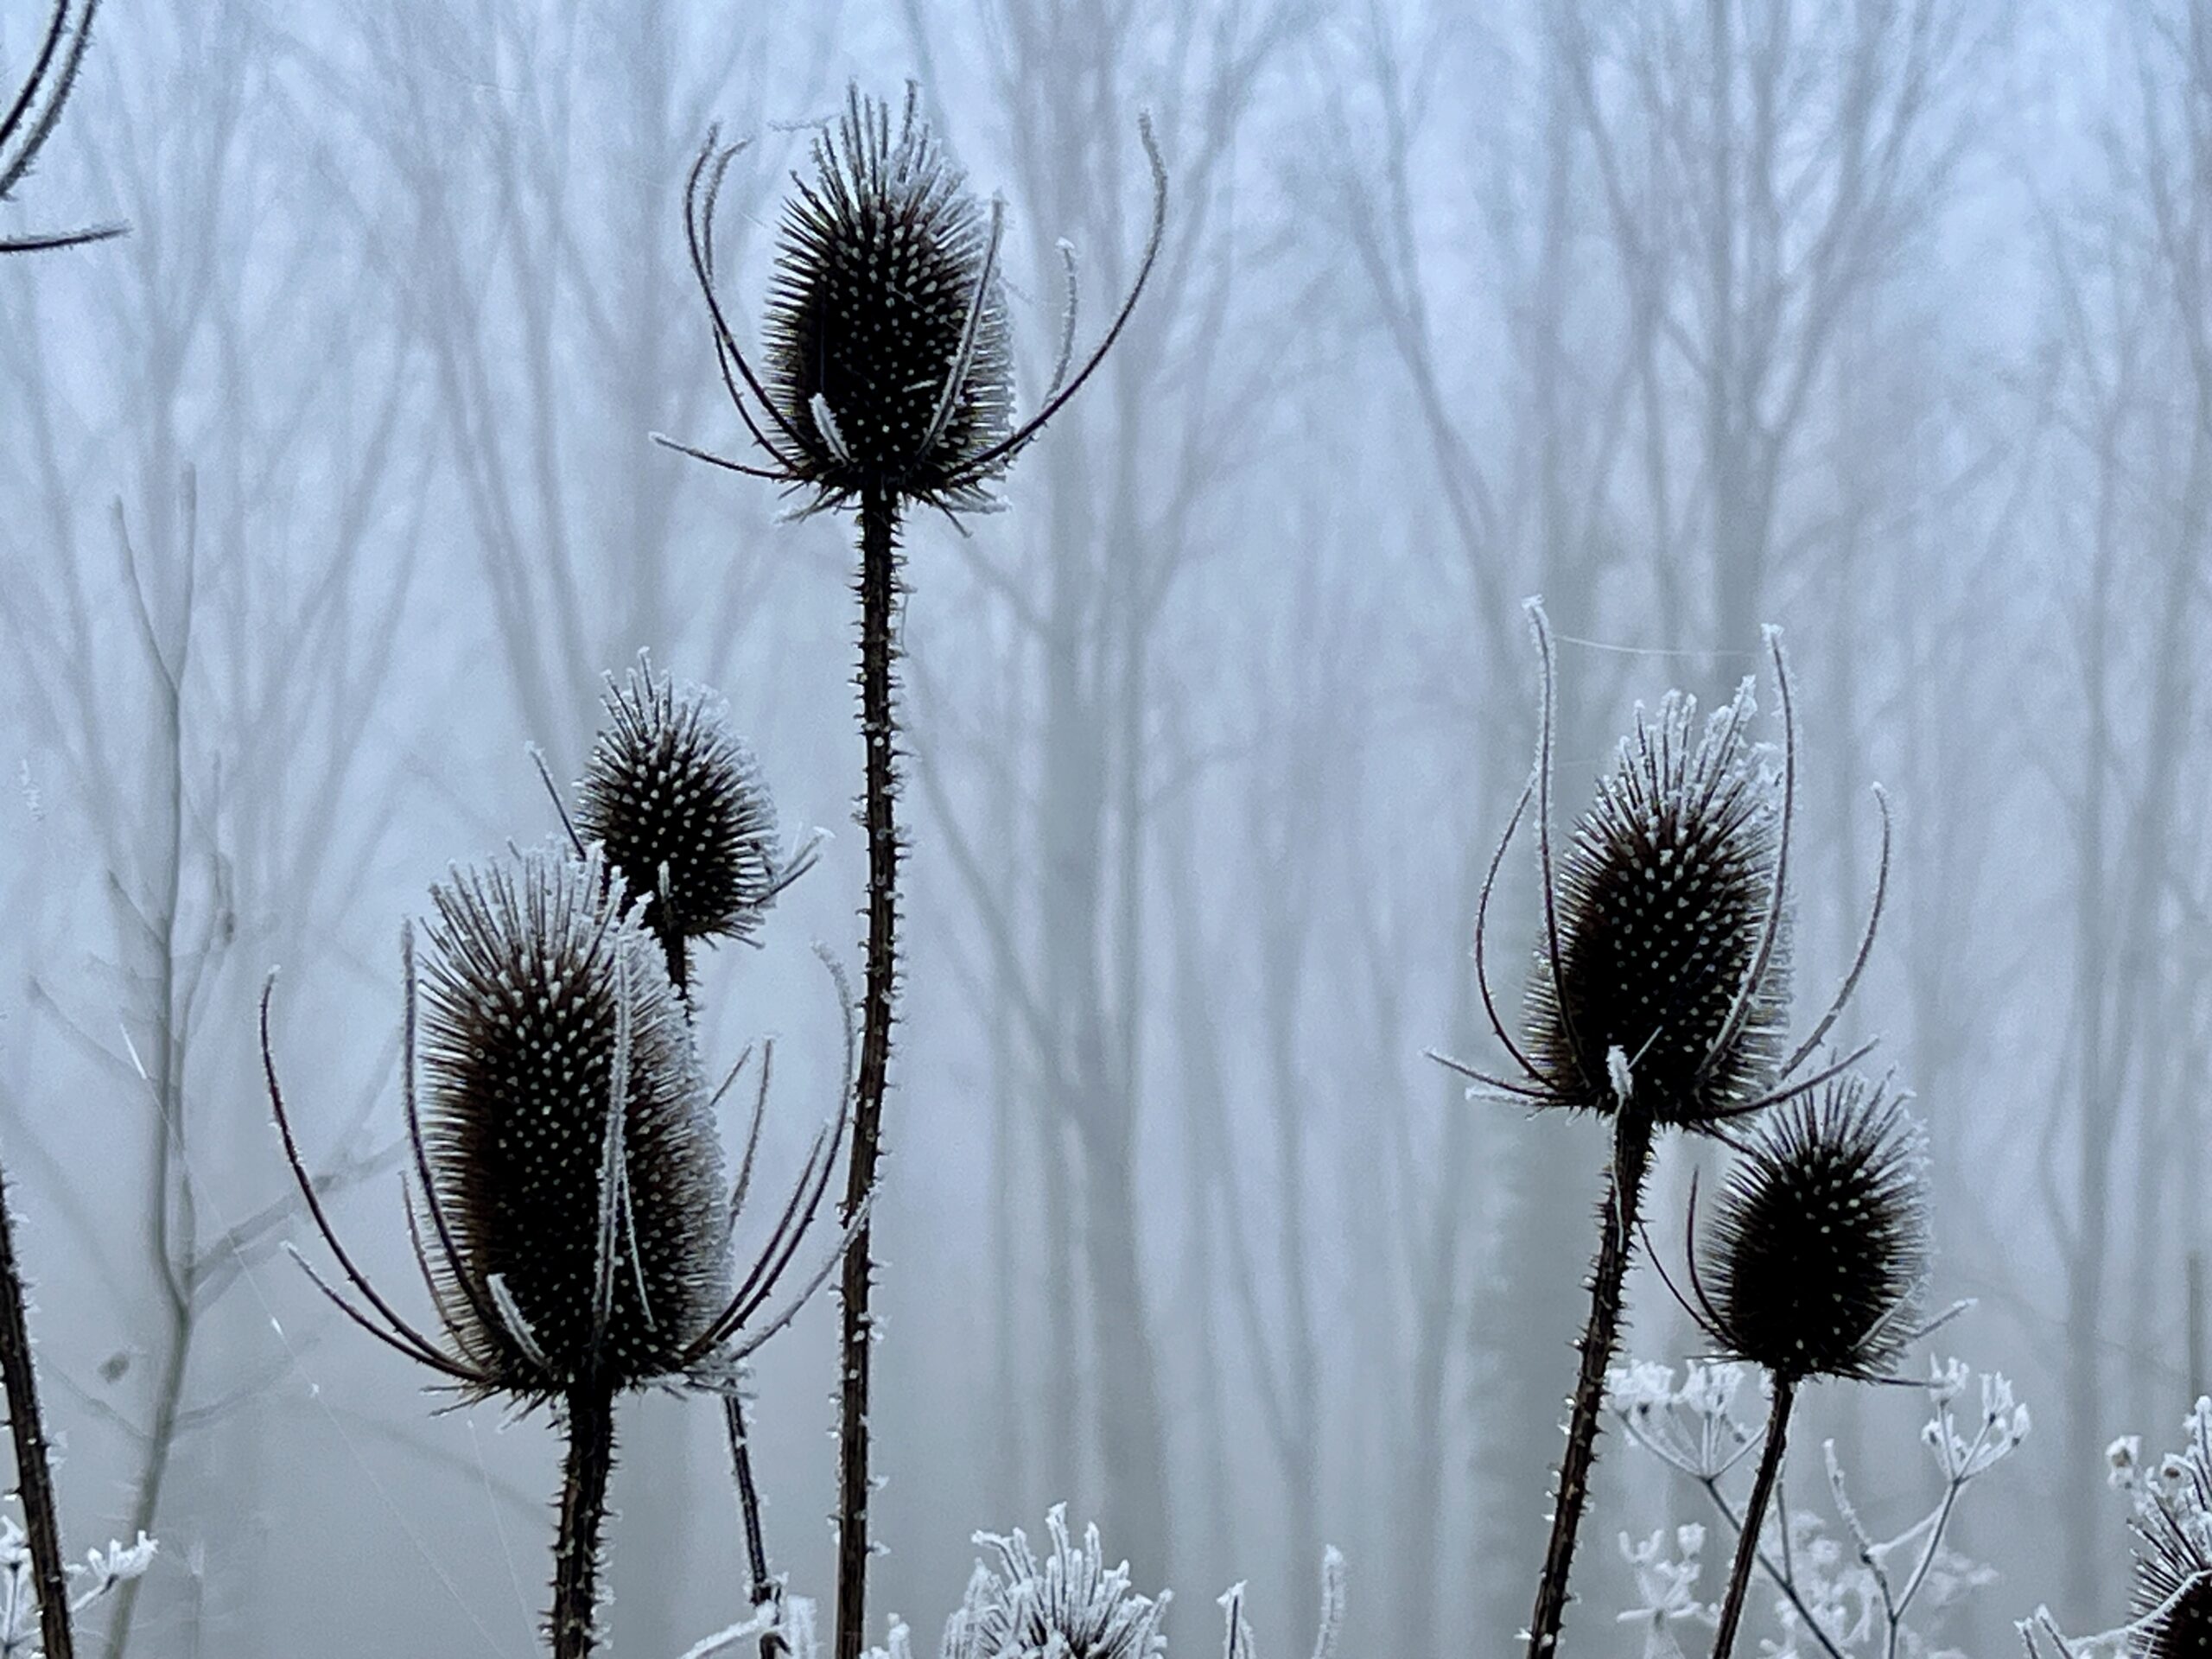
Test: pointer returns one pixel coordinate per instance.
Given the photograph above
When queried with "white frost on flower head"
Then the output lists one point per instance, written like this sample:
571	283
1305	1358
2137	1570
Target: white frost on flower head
2125	1460
2004	1423
1665	1588
1642	1385
1694	1427
1947	1379
1710	1390
19	1631
1068	1605
105	1572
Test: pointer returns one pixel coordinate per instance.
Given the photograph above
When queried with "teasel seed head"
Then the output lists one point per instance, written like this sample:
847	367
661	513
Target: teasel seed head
2173	1587
886	374
585	1247
677	799
1816	1261
1664	895
887	354
2172	1603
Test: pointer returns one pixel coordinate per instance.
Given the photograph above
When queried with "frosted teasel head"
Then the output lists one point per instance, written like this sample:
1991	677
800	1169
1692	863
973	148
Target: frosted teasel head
1662	970
569	1152
1816	1261
2172	1597
886	366
568	1209
2172	1593
677	799
1068	1605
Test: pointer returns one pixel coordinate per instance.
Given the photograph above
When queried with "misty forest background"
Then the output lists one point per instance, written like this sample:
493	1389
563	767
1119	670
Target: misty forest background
329	488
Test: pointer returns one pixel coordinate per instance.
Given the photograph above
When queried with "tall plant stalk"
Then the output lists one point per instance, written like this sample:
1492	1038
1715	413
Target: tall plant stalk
1600	1337
887	380
34	1468
1747	1541
879	594
583	1514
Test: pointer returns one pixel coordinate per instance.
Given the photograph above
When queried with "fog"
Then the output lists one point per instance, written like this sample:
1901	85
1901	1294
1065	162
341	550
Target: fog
331	487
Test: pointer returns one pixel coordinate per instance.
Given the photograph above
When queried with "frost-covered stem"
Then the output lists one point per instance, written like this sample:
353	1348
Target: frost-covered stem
33	1469
1616	1234
878	591
1936	1523
583	1511
1747	1536
748	1503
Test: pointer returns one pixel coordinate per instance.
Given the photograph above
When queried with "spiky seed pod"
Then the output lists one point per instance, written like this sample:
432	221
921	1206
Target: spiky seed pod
1068	1605
888	363
670	788
2173	1575
1664	893
1816	1257
541	988
2171	1603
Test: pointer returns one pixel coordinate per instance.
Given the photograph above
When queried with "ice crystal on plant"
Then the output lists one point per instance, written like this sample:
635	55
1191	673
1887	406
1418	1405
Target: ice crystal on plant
1842	1586
1666	1587
99	1573
1070	1605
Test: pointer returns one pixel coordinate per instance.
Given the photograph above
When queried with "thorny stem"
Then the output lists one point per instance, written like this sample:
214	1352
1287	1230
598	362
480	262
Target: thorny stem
748	1503
878	590
1747	1537
33	1470
1616	1231
583	1511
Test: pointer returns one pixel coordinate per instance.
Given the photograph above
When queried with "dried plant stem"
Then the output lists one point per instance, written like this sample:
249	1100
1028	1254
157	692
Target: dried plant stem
878	591
33	1469
748	1503
1616	1234
1747	1538
741	1446
590	1415
762	1588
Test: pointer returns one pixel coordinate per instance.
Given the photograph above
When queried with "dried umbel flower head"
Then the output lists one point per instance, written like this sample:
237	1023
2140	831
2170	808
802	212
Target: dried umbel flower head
677	799
1662	972
586	1243
1068	1605
1816	1257
886	374
568	1213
